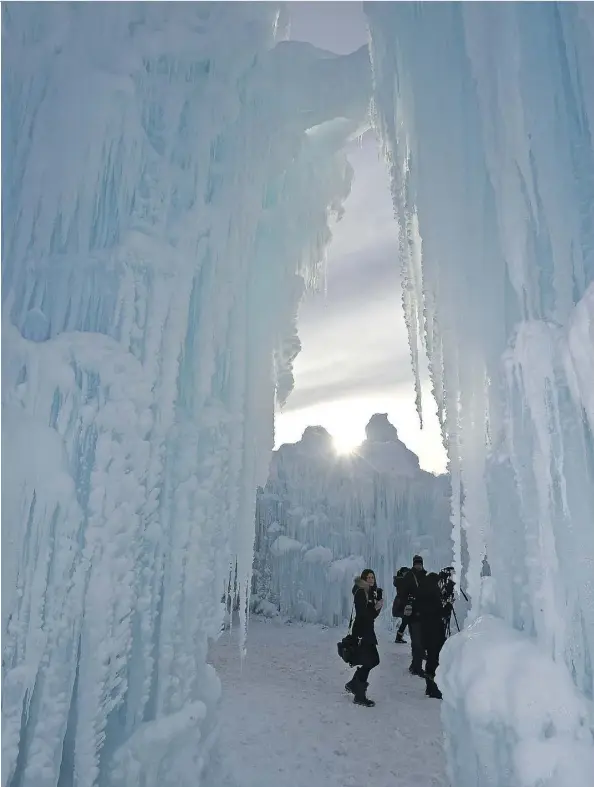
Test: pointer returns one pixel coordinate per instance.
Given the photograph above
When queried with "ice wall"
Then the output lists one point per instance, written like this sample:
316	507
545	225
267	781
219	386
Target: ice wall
167	178
322	518
486	111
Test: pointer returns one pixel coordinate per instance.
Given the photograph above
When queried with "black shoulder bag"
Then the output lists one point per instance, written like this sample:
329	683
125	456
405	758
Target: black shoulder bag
348	648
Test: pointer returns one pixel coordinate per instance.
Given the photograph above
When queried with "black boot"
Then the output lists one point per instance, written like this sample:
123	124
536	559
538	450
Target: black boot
360	695
350	686
432	689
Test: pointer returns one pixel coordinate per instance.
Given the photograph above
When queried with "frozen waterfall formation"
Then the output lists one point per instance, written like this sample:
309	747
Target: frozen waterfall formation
486	111
168	173
323	518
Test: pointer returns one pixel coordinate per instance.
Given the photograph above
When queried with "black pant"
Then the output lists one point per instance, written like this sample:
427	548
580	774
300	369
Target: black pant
416	643
368	659
433	639
403	626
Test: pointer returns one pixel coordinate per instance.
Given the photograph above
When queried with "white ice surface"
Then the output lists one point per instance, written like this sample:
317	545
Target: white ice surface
287	721
506	689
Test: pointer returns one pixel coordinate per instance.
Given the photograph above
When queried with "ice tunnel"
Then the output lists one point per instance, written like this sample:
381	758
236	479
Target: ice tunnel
169	170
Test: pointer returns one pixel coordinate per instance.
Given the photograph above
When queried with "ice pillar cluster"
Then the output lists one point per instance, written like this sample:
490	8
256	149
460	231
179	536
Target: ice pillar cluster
168	172
322	518
486	112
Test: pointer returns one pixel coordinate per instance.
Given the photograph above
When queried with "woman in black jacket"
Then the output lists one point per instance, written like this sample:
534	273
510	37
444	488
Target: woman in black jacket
368	605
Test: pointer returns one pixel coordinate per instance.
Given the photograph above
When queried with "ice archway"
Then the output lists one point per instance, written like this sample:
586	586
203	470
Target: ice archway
165	196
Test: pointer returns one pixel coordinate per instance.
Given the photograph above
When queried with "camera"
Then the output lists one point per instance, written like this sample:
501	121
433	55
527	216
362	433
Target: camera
446	587
379	594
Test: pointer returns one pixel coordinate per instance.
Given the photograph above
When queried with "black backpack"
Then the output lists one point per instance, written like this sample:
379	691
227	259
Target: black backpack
348	648
399	602
398	607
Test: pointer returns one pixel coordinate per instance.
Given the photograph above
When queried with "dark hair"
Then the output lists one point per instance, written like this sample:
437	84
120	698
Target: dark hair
366	572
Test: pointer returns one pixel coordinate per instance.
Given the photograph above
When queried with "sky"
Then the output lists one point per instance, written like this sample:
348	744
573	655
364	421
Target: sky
355	358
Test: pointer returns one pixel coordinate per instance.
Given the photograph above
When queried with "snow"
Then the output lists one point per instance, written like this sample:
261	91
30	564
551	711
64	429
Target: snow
282	545
318	555
578	356
287	721
501	684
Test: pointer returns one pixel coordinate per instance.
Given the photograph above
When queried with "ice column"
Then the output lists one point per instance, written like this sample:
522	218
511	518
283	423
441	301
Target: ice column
486	112
147	289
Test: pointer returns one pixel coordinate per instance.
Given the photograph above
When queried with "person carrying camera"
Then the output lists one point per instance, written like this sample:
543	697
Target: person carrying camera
411	588
368	599
430	610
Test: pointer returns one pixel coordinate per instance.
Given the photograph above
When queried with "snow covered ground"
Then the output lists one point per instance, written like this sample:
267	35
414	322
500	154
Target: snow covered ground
287	722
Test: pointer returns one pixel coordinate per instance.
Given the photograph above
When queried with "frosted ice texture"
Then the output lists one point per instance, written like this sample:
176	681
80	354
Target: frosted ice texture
486	112
167	178
322	518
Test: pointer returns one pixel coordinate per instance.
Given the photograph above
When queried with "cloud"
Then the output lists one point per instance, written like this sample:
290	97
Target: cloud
355	357
371	379
357	275
353	337
316	23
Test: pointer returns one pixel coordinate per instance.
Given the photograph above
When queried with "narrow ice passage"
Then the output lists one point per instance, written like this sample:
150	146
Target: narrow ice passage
170	170
287	722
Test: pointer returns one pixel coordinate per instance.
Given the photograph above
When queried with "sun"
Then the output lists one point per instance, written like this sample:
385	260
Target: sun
345	444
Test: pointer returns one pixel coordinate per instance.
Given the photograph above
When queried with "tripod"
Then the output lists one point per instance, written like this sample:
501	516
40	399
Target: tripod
448	622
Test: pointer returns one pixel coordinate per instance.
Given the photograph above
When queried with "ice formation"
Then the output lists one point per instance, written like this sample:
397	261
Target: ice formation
168	170
322	518
486	112
168	173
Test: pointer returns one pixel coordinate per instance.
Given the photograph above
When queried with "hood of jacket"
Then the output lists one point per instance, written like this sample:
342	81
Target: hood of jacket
360	584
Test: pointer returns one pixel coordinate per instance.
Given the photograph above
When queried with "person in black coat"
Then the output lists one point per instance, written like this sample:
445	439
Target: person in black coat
400	603
413	581
368	603
430	610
